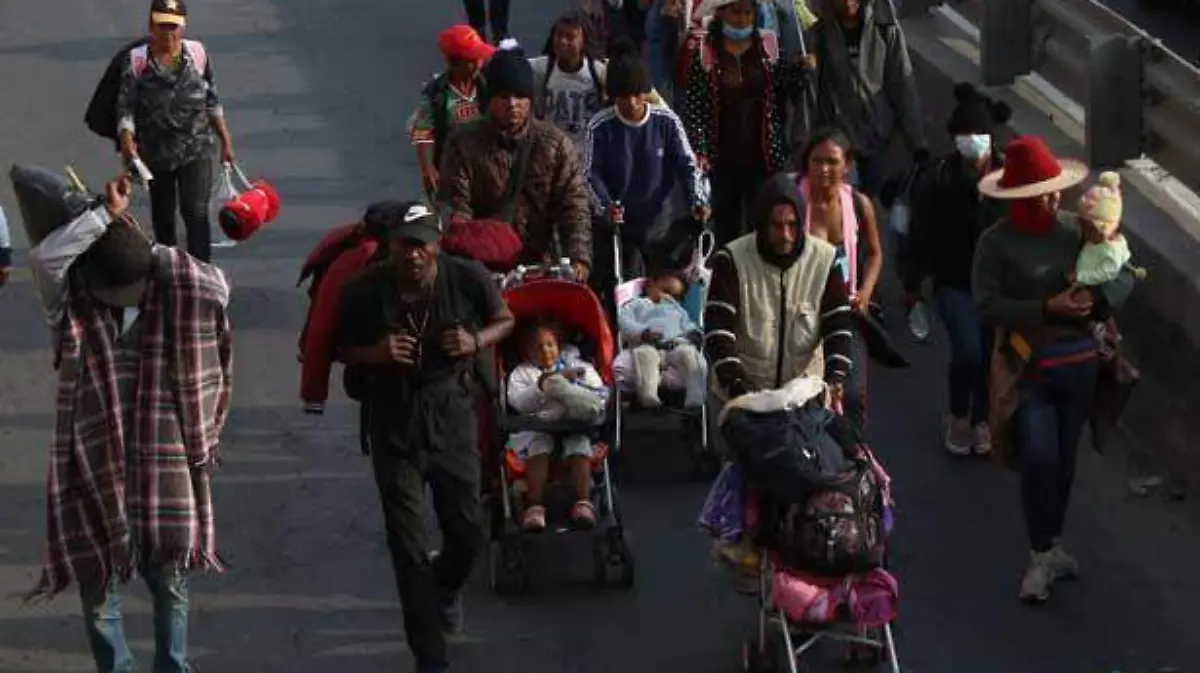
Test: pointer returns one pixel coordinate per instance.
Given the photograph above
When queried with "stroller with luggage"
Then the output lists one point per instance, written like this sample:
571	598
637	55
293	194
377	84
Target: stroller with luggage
532	294
671	391
815	506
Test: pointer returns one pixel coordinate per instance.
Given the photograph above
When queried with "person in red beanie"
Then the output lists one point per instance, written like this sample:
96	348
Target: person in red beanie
449	99
1044	344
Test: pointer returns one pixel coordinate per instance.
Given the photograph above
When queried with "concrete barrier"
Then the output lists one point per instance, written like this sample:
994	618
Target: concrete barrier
1162	221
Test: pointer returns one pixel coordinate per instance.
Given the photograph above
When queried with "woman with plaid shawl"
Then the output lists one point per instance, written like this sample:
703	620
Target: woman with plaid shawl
144	359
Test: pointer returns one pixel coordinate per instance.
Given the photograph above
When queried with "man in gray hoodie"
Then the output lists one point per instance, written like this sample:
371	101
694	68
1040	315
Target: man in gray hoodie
865	82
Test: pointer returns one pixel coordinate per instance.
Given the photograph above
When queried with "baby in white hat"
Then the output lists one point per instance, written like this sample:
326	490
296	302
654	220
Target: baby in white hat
1105	251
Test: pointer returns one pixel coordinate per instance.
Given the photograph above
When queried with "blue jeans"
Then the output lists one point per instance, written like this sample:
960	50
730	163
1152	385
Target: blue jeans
1047	427
662	44
106	630
970	346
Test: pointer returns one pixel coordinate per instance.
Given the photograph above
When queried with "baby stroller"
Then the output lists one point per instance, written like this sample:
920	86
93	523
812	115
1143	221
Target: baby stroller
695	421
533	292
819	519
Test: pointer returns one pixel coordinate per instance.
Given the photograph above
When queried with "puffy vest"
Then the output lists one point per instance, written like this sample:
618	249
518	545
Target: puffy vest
779	317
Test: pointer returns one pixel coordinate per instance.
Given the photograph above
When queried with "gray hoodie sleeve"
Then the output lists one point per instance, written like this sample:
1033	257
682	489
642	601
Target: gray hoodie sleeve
50	260
902	88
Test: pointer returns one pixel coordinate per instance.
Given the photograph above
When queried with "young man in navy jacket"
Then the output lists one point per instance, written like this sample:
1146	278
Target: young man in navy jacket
635	153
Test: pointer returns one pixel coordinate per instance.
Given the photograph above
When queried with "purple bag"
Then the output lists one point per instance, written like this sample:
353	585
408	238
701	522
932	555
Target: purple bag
721	515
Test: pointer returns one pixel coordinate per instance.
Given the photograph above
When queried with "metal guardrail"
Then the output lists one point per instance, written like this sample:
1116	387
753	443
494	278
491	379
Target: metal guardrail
1140	98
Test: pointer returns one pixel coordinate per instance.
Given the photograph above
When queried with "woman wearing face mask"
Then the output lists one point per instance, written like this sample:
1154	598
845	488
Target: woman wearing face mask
1046	353
947	220
734	103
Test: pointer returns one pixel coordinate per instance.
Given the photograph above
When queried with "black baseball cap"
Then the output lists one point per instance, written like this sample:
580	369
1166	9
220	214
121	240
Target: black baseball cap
416	222
172	12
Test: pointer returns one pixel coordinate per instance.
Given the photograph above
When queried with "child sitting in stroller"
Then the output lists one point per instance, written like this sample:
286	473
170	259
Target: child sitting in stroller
554	384
668	342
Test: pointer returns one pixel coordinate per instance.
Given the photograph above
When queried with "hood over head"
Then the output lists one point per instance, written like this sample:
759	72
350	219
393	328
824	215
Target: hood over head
779	188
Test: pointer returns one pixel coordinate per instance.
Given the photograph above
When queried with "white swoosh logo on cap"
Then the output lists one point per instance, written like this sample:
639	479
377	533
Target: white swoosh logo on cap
416	212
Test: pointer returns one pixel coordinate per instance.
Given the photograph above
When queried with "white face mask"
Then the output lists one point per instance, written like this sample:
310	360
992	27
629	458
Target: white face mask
973	147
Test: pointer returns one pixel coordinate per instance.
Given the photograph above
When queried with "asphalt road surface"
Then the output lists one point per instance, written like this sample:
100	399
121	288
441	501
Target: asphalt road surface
317	92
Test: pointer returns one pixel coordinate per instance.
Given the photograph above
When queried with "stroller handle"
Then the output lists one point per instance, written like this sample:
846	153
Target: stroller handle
561	270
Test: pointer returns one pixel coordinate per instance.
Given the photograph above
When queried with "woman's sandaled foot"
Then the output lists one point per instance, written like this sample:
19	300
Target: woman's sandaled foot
583	515
534	519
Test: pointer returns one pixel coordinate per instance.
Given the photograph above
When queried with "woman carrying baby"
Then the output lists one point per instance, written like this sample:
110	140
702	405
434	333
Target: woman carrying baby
666	343
554	384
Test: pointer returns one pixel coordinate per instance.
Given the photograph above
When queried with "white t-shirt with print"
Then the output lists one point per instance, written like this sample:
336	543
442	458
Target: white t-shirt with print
570	98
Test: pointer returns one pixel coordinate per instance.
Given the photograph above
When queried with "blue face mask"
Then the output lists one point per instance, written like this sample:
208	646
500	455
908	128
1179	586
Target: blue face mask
974	146
737	34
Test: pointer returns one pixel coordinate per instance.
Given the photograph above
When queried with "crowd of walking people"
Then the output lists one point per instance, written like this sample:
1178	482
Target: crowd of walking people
639	131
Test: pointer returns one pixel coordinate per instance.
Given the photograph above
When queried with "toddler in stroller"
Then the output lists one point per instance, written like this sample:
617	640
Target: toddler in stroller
554	384
666	343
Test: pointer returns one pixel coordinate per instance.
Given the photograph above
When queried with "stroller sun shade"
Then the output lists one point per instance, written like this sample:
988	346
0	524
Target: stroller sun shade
573	306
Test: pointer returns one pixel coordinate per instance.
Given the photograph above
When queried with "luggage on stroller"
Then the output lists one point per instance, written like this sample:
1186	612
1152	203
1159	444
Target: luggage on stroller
578	311
818	505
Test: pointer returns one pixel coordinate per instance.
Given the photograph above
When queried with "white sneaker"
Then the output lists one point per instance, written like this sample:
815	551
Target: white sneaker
1039	576
981	440
958	436
1064	566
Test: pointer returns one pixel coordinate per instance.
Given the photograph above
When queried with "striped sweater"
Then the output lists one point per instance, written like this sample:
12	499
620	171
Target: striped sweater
638	164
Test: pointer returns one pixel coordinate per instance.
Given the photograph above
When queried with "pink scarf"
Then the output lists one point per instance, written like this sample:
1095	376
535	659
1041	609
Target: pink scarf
849	230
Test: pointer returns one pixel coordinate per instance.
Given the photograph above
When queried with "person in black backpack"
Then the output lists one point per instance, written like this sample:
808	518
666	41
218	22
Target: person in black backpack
449	99
167	113
417	325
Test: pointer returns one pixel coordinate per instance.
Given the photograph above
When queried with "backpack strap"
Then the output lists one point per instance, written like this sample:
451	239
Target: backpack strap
601	84
199	54
437	92
140	56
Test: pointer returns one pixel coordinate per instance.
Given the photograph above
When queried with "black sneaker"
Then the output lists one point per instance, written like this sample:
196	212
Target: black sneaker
451	614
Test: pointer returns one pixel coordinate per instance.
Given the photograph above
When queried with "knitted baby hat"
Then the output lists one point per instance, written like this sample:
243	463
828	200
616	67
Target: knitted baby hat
1101	205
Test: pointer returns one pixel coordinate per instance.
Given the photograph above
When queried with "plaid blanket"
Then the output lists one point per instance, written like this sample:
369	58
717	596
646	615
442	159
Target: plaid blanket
122	495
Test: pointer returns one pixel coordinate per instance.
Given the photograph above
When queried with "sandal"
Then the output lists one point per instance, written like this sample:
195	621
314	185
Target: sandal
583	515
534	519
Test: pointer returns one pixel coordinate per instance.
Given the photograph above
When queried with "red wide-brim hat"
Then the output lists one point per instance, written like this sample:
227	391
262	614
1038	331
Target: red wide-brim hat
1030	170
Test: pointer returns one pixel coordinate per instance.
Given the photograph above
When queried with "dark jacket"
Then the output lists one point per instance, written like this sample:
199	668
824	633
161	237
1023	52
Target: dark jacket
552	202
877	93
948	217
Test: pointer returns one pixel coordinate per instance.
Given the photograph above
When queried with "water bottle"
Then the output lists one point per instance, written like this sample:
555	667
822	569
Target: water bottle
918	322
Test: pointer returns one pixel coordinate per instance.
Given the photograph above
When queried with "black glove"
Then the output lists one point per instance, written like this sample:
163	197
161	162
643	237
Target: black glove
921	156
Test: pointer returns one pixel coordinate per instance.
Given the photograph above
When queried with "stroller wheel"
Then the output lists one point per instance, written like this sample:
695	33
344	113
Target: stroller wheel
613	562
765	657
507	569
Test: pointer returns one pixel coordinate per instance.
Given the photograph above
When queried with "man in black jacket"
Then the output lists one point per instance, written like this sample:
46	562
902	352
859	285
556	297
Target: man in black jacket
416	325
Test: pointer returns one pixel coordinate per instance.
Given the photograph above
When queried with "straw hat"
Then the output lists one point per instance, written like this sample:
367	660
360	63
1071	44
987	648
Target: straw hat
1031	169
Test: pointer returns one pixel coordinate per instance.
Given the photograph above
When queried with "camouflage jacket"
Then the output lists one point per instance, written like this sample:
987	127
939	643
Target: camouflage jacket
169	109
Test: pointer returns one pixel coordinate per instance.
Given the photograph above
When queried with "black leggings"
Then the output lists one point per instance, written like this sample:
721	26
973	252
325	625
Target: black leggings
186	189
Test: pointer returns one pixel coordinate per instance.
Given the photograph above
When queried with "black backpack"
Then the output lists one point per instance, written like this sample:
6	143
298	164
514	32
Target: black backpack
101	113
840	529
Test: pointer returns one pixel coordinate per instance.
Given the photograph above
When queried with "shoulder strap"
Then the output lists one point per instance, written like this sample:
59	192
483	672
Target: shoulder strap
198	53
137	59
516	178
601	88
